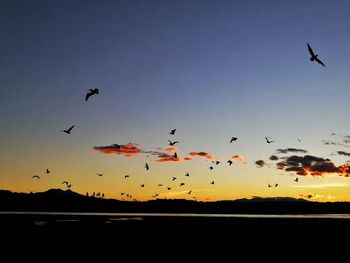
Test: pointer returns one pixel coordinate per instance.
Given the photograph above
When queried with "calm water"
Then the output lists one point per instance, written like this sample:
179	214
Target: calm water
141	215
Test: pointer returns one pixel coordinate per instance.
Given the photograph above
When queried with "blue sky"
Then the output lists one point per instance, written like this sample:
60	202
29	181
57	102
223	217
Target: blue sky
211	69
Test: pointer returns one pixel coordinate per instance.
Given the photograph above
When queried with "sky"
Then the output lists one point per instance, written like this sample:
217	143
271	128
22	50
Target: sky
212	70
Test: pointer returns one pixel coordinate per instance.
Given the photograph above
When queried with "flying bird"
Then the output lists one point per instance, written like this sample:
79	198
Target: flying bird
212	182
126	176
211	167
276	185
35	176
90	93
65	182
174	178
48	171
173	143
147	166
172	132
69	185
314	56
122	193
299	140
175	155
182	184
99	174
217	162
233	139
142	185
160	185
230	162
169	188
296	179
187	174
269	185
268	141
68	131
189	192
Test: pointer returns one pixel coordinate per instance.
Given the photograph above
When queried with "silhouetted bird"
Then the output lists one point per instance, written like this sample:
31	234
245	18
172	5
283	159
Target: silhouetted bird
122	193
296	179
99	174
187	174
103	195
189	192
230	162
156	194
47	171
276	185
233	139
172	143
182	184
169	188
172	132
211	167
212	182
142	185
69	185
160	185
175	155
217	162
147	166
269	185
90	93
299	140
268	141
314	56
126	176
65	182
35	176
174	178
68	131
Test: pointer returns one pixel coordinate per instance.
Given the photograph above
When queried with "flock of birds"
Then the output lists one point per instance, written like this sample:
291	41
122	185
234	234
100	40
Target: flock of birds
95	91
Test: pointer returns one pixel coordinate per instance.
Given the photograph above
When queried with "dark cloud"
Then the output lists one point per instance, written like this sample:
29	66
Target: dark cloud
128	150
292	150
312	165
343	153
202	154
273	158
260	163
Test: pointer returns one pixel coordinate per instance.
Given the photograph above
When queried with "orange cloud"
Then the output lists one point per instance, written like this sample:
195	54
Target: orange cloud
171	149
202	154
128	150
239	158
164	157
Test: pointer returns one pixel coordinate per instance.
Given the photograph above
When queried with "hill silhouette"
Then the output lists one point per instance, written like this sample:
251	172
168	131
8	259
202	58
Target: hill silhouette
57	200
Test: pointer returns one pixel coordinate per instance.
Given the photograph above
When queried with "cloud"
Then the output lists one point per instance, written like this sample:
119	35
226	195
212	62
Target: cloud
127	150
239	158
319	186
293	150
202	154
343	153
260	163
171	149
312	165
273	158
311	196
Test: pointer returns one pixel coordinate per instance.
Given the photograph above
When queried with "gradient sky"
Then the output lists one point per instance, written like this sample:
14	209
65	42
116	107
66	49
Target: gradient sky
211	69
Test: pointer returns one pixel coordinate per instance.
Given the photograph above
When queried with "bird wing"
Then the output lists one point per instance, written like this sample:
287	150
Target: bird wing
71	128
319	61
310	50
88	95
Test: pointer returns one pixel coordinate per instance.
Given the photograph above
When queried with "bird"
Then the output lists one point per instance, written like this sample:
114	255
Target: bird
187	174
173	143
122	193
156	194
35	176
174	178
269	185
147	166
99	174
217	162
69	185
211	167
175	155
90	93
172	132
230	162
48	171
276	185
68	131
142	185
299	140
314	56
212	182
169	188
160	185
189	192
182	184
268	141
233	139
65	182
296	179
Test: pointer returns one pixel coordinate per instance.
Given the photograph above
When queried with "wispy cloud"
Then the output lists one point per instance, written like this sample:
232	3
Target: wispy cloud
202	154
239	158
292	150
127	150
319	186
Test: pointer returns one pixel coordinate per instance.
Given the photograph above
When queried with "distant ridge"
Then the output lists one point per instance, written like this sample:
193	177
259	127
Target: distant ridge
58	200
